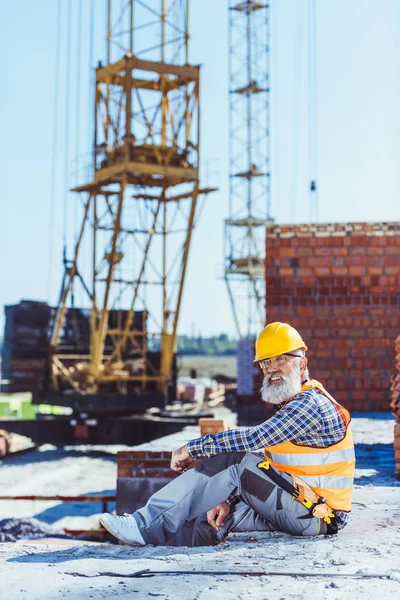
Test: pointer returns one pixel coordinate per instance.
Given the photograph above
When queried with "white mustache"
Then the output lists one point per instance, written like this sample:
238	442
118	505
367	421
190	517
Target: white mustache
281	375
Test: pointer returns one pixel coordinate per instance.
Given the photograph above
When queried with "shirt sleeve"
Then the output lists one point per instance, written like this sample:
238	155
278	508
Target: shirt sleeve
301	416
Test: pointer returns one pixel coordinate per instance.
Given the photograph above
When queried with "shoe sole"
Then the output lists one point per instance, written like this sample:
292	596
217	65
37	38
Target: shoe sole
106	521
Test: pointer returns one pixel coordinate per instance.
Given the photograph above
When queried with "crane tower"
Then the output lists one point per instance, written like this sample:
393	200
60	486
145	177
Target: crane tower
249	142
139	205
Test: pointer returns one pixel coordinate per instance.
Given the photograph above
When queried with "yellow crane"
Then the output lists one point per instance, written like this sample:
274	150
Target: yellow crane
139	205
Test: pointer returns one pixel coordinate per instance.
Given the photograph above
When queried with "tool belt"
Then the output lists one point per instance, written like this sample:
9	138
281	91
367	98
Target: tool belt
303	493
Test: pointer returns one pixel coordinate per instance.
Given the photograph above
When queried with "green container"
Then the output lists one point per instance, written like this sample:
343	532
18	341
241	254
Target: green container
26	411
4	409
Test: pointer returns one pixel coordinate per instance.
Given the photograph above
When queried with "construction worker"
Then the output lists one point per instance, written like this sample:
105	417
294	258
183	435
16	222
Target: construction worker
302	485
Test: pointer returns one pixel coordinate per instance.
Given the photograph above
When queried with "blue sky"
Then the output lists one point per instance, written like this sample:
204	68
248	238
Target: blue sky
358	99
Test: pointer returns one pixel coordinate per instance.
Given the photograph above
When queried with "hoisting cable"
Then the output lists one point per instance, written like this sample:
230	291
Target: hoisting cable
298	96
91	73
66	128
312	114
77	104
53	176
77	121
90	125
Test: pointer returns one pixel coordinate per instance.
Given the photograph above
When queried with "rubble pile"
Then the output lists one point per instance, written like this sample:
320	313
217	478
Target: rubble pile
4	442
12	530
395	405
199	390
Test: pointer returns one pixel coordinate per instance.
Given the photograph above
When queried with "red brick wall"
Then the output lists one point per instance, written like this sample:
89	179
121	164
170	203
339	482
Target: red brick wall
141	473
135	463
338	284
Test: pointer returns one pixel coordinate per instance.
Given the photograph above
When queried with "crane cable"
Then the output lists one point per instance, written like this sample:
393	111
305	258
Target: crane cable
90	120
53	176
77	104
67	128
77	120
312	114
296	106
91	78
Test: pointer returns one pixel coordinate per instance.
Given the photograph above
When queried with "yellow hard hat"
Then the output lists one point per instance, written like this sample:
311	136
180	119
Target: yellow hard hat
276	339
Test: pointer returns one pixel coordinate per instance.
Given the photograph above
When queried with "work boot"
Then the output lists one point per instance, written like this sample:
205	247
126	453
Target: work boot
124	528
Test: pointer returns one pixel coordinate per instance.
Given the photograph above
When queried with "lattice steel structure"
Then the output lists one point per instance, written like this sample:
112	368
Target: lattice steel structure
139	206
249	142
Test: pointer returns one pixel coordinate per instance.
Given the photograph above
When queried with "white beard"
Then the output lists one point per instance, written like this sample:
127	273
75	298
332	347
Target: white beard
280	392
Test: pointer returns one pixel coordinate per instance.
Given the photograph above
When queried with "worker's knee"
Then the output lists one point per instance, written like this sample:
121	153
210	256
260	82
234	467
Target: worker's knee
219	463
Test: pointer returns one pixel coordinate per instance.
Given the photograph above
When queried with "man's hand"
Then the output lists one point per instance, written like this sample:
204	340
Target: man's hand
181	459
216	516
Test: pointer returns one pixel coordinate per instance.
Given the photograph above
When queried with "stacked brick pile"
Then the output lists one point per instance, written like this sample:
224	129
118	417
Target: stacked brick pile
212	426
249	406
395	405
248	372
338	285
26	345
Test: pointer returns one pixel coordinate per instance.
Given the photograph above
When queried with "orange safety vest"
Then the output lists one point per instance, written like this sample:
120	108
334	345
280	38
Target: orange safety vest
328	471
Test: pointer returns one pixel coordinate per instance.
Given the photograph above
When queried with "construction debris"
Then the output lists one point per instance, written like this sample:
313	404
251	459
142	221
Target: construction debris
12	530
11	443
199	390
4	442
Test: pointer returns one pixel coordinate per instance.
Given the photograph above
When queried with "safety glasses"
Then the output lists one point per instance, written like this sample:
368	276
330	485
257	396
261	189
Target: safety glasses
279	361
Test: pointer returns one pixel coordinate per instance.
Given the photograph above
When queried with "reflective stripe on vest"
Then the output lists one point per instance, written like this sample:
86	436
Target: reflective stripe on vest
329	471
334	456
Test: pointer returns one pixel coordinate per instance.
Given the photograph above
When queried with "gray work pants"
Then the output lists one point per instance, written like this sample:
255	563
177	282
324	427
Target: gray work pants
264	506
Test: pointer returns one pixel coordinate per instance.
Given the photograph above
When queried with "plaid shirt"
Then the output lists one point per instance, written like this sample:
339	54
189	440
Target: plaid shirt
309	419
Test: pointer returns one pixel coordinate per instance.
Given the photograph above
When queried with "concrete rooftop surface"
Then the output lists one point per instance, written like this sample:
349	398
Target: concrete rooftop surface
363	561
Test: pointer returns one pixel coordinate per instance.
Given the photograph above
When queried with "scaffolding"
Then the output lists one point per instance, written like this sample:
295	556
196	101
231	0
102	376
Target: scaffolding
140	205
249	158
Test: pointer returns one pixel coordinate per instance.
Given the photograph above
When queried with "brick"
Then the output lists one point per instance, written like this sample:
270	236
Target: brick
124	472
321	271
340	270
392	250
287	252
375	251
392	270
285	271
212	426
126	462
158	473
305	251
323	252
153	464
359	271
357	250
123	454
304	272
